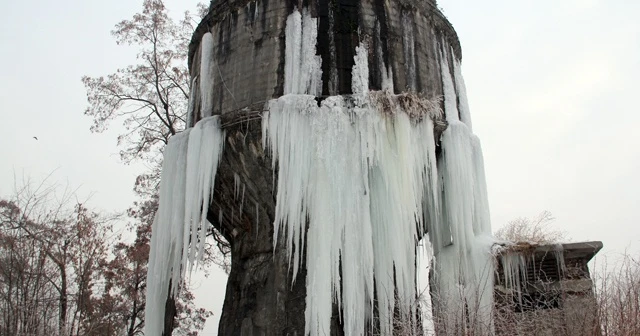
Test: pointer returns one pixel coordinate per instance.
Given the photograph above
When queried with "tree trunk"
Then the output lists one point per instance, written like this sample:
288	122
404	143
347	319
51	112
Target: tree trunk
262	298
169	314
63	299
133	315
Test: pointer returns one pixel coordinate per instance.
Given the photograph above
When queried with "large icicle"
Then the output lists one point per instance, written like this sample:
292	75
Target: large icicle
465	116
302	65
516	261
357	186
356	175
359	179
462	241
178	232
206	75
166	239
205	148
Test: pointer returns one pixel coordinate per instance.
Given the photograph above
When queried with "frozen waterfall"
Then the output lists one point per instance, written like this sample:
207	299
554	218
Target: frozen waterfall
178	232
359	184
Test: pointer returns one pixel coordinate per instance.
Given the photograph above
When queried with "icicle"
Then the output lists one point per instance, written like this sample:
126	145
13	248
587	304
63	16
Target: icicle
448	88
311	77
191	104
482	217
302	65
358	183
353	176
206	75
293	42
353	172
188	172
462	241
205	148
236	185
465	116
166	240
360	75
558	253
514	268
387	73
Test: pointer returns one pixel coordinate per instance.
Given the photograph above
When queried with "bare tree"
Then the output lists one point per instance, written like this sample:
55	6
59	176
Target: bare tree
59	276
150	97
54	247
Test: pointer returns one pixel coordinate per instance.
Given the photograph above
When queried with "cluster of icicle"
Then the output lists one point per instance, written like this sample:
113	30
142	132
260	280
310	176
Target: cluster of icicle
358	184
179	229
461	236
363	176
515	264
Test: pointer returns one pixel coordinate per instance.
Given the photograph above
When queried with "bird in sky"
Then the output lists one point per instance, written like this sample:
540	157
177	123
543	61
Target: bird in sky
35	138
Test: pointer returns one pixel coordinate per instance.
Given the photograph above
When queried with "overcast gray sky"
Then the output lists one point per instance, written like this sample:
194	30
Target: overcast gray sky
551	84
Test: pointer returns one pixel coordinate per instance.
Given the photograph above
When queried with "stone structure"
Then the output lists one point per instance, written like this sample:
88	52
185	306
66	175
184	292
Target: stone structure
410	38
249	45
550	291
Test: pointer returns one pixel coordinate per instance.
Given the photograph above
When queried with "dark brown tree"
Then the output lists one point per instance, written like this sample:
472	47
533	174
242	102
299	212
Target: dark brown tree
54	248
58	275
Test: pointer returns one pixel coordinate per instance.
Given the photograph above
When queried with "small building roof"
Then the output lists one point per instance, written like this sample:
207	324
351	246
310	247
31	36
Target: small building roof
580	250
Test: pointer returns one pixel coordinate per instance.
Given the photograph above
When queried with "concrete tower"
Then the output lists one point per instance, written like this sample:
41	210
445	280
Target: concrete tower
411	48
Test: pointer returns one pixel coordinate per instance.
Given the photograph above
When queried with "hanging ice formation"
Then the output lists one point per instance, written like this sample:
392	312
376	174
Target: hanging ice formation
358	182
461	238
178	233
516	262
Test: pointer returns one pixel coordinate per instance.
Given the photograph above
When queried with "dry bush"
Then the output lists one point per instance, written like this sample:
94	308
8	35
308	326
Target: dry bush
618	297
536	230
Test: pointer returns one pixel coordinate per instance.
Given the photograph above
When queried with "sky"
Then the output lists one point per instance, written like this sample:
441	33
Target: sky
550	83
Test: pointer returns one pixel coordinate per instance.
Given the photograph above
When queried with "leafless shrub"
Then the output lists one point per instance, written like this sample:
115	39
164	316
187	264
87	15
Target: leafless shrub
618	297
536	230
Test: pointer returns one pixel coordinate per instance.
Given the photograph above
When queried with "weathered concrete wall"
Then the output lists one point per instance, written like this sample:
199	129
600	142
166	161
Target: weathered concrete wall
249	47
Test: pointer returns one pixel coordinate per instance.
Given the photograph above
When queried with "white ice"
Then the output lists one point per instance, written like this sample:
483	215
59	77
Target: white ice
357	185
178	232
462	239
357	176
206	75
